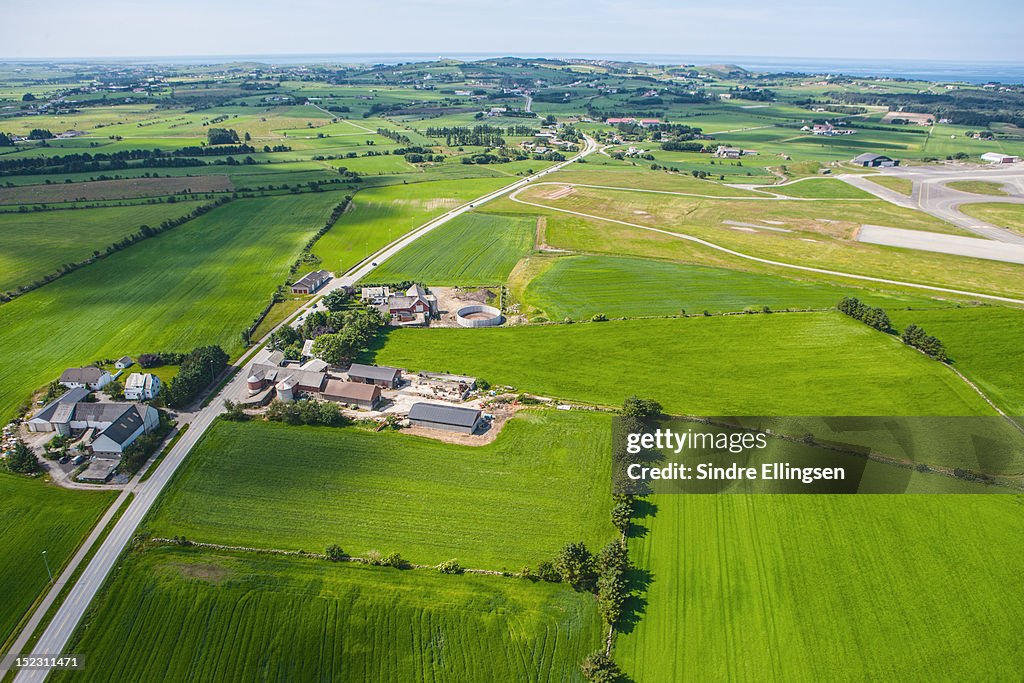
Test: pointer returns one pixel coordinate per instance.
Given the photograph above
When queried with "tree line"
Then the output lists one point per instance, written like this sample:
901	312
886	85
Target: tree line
197	371
913	336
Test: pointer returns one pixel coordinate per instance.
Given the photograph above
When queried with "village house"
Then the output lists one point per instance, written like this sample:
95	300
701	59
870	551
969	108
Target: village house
414	305
142	386
382	376
90	377
115	425
724	152
311	282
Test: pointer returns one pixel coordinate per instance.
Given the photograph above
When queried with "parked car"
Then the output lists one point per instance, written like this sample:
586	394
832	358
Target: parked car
79	459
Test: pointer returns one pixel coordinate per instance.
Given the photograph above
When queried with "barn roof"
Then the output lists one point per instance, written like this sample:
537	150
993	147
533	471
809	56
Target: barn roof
444	414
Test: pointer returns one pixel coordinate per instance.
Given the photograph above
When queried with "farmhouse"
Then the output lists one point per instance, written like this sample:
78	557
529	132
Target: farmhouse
382	376
365	396
122	431
90	377
311	282
124	362
998	158
448	418
724	152
829	130
415	302
869	160
141	386
375	295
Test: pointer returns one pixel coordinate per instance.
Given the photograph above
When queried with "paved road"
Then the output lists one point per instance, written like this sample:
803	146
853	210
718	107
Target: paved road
711	245
71	611
958	245
932	195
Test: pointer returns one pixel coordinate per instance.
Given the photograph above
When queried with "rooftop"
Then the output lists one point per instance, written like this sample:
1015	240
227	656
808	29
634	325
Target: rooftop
373	372
444	414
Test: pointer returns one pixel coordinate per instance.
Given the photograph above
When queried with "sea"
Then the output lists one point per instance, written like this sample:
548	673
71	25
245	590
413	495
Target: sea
975	72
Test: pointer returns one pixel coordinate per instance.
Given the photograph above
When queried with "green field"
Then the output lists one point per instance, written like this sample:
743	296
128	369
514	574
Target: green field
839	588
986	344
474	248
978	187
901	185
543	483
183	614
382	214
35	244
35	517
580	286
821	188
799	363
1004	215
201	283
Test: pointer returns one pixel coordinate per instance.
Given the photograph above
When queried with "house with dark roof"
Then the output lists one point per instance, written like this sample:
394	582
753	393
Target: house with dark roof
124	429
90	377
382	376
124	362
116	425
311	282
446	417
415	302
365	396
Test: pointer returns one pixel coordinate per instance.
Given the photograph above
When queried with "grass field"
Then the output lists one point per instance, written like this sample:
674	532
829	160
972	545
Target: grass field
200	615
801	364
35	244
201	283
814	239
1004	215
987	345
978	187
474	248
821	188
113	189
543	483
35	517
580	286
382	214
901	185
811	588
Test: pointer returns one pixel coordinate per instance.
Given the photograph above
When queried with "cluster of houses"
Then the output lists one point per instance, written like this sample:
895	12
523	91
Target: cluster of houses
643	123
827	129
108	428
359	387
545	141
412	307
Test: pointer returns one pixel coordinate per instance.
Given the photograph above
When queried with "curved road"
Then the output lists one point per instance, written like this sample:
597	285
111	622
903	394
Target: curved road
71	611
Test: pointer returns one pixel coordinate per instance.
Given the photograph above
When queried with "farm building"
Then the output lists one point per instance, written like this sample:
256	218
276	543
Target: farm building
869	160
40	422
448	418
142	386
829	130
89	377
289	382
382	376
724	152
352	393
411	305
375	295
116	425
999	158
124	362
311	282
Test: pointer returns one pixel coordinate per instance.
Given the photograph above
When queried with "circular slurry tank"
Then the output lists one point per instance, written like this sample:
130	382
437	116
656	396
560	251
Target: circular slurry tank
479	316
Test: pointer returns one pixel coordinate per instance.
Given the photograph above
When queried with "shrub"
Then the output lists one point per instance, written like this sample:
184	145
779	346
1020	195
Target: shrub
335	553
546	572
599	668
392	560
450	567
22	459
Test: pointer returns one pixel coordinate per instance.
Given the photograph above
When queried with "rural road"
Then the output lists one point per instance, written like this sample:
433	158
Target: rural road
711	245
70	613
932	195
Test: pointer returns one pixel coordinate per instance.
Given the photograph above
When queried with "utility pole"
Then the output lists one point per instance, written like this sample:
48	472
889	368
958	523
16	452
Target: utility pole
47	563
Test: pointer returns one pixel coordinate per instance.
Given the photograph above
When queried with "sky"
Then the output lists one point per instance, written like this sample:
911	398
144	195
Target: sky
982	30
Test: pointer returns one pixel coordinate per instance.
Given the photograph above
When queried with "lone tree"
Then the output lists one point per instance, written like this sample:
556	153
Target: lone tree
23	460
634	406
335	553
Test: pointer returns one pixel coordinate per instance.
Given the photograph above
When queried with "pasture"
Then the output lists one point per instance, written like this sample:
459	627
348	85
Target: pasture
284	619
35	517
801	364
113	189
35	244
985	343
821	188
544	482
200	283
475	248
809	588
581	286
382	214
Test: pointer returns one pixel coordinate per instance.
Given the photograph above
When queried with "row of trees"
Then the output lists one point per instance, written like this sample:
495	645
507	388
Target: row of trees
916	337
872	316
198	370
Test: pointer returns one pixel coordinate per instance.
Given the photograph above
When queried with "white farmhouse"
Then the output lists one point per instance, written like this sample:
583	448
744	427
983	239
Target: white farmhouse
141	386
91	378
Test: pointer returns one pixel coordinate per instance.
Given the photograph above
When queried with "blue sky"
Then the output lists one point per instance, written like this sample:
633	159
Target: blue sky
875	29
